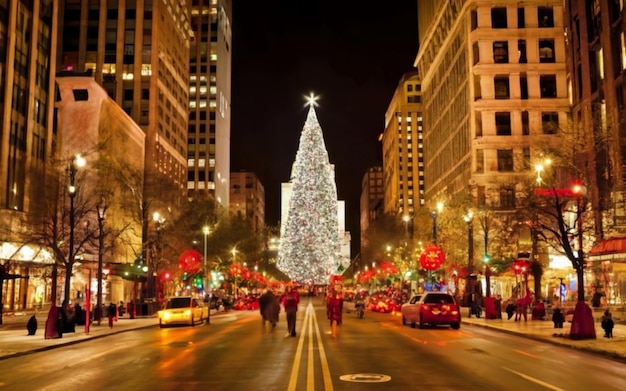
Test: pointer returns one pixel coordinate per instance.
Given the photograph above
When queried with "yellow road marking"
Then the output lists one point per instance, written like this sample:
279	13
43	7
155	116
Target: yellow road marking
310	330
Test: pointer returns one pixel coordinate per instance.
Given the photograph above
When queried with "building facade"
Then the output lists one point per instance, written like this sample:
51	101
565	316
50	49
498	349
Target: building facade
208	155
138	50
371	201
495	96
403	154
247	198
28	137
597	64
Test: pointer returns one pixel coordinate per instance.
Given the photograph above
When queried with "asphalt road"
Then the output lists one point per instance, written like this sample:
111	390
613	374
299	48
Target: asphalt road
235	352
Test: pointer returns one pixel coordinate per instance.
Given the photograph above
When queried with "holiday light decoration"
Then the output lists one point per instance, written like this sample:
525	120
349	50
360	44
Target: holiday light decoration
309	246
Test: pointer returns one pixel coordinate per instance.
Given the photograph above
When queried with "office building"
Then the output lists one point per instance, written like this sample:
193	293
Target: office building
139	52
247	198
208	155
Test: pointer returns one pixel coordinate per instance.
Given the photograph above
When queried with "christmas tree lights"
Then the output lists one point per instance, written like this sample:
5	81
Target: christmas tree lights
309	245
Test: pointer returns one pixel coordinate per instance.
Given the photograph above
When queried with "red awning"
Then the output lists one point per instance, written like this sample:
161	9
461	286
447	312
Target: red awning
609	246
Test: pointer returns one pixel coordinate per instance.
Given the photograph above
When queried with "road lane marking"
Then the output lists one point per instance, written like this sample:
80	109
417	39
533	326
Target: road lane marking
532	379
310	325
328	383
293	379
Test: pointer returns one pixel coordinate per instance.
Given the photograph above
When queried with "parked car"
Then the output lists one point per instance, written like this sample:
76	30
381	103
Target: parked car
432	308
183	310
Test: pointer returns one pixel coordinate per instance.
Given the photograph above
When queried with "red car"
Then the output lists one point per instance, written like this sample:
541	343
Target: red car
431	308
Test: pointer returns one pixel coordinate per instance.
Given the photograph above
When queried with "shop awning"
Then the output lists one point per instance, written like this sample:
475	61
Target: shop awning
607	249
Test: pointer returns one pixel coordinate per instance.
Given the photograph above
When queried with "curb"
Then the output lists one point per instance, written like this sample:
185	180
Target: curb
74	342
557	341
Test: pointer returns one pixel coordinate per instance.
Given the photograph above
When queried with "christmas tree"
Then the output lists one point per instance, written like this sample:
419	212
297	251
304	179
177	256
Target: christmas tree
309	244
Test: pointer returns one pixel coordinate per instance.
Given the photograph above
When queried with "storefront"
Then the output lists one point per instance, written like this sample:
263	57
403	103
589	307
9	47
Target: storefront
26	276
608	262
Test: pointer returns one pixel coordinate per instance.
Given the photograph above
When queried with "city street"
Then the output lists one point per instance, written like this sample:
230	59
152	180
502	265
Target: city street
235	352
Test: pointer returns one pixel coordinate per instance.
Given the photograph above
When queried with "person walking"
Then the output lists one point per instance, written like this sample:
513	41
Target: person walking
334	311
112	314
290	301
558	318
607	324
269	306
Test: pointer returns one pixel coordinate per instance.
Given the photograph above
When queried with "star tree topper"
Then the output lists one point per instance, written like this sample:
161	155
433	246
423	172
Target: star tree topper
311	100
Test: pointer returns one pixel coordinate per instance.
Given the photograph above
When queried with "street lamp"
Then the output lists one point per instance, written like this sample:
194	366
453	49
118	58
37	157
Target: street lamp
159	220
433	215
102	207
206	231
469	286
77	162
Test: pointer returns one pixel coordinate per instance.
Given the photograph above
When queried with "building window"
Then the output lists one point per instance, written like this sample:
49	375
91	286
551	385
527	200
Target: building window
501	52
498	18
525	126
523	86
521	18
81	94
545	16
550	122
521	49
505	160
501	86
546	50
503	123
547	83
475	53
507	198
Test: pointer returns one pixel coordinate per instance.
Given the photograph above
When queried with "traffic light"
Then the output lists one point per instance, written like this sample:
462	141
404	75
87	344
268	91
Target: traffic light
486	258
197	281
185	276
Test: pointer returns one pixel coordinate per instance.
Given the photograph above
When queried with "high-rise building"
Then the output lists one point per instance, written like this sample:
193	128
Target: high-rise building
403	160
597	64
28	140
208	155
372	197
597	61
495	95
247	197
139	52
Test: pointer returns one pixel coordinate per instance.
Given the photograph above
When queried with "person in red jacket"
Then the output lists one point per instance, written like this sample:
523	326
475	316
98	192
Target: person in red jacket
334	310
290	301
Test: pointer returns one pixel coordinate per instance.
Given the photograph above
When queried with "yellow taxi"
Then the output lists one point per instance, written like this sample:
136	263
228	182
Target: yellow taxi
183	310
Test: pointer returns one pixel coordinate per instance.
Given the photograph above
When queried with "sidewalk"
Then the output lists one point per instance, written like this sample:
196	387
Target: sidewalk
14	340
544	331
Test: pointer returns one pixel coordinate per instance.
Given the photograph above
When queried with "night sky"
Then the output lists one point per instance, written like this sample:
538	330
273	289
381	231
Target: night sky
349	53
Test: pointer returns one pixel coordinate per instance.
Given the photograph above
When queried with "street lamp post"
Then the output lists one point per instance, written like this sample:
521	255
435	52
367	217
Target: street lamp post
101	215
77	162
433	215
154	266
206	231
469	284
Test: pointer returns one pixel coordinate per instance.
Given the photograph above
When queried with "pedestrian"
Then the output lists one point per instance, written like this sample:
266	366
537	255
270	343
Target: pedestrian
510	308
269	306
607	324
112	314
290	301
31	326
558	318
522	308
334	311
